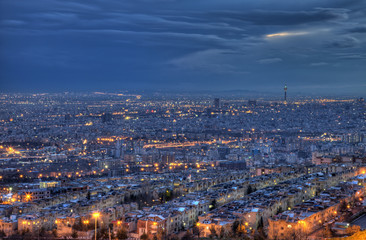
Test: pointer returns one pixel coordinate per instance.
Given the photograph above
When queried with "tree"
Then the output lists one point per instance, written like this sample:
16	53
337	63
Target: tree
187	236
26	234
343	206
353	229
213	231
241	231
54	233
222	232
161	234
15	236
42	232
182	228
249	189
260	234
88	195
112	235
197	231
279	210
213	204
122	234
74	234
168	195
234	227
260	223
78	225
144	237
327	232
104	234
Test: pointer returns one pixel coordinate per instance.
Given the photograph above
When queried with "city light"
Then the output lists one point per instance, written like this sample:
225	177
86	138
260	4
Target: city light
170	165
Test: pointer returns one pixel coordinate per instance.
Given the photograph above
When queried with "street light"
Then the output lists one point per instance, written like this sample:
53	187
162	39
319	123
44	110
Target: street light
96	215
28	197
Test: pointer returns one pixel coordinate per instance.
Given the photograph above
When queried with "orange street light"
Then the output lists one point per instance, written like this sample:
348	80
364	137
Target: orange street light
28	197
96	215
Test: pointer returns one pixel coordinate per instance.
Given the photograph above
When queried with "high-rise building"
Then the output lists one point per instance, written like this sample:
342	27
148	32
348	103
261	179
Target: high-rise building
168	158
285	93
216	103
119	149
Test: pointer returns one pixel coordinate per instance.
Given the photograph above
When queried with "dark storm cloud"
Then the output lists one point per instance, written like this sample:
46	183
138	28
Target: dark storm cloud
345	42
361	29
261	17
351	56
161	43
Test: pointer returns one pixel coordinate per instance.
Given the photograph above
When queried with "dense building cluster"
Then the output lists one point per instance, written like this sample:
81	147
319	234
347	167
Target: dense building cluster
161	167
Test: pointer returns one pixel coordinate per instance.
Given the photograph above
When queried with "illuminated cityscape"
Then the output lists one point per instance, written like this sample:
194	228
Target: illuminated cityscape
148	166
182	120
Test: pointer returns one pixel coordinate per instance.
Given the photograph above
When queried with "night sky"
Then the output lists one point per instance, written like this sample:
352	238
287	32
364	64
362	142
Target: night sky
316	47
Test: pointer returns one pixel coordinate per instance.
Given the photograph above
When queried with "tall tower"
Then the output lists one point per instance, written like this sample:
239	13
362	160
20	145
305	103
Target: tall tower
285	92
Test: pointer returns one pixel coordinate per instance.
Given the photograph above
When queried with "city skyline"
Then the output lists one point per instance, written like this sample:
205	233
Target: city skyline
168	167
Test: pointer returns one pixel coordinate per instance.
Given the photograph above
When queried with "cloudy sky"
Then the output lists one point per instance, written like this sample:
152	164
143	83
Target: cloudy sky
110	45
